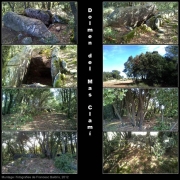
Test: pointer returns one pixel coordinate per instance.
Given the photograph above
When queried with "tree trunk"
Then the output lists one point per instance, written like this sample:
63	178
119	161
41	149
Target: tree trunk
140	109
28	4
69	103
116	112
66	143
75	142
11	6
63	142
129	134
24	5
49	5
10	103
43	5
72	147
5	103
74	11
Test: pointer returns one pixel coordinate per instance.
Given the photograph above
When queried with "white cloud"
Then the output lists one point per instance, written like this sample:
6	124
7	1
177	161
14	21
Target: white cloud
159	48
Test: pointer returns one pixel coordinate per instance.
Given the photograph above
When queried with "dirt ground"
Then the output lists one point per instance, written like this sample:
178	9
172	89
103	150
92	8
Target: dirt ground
33	166
170	35
138	161
45	121
10	36
117	83
148	125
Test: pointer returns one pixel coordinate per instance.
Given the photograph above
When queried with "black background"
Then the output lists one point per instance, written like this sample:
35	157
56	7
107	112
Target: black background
89	147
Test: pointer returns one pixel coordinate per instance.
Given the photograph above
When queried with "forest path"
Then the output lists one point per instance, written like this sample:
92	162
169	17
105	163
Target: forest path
32	166
45	122
50	121
115	125
117	83
138	160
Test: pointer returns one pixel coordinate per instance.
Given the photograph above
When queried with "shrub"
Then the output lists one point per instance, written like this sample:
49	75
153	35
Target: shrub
63	162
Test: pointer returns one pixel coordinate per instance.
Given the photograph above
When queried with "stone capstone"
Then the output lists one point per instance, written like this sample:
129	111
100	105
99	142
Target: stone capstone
44	16
130	16
28	25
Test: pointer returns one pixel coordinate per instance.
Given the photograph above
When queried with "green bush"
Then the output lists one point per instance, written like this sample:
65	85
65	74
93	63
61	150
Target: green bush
110	35
161	126
63	162
26	118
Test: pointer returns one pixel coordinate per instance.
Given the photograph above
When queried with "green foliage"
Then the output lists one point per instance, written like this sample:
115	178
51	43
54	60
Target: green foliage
161	126
51	40
172	52
136	32
107	11
110	95
108	112
127	38
169	166
26	118
169	98
109	35
158	150
60	81
160	5
64	162
42	156
152	68
46	52
64	20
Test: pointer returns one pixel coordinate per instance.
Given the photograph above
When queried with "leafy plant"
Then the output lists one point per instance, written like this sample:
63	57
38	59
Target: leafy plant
109	35
26	118
161	126
64	162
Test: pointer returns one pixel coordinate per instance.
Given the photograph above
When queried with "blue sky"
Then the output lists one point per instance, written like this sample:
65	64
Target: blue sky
114	56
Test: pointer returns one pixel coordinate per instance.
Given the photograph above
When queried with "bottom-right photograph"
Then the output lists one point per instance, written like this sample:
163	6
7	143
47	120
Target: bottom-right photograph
140	152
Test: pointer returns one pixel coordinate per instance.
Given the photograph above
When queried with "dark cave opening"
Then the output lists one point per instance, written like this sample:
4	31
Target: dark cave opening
39	71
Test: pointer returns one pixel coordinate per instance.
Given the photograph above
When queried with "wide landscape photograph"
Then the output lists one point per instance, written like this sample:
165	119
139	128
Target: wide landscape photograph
39	109
142	66
39	66
140	109
140	22
39	23
39	152
140	152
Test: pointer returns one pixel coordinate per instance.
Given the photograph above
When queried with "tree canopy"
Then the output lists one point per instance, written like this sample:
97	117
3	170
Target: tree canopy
114	74
22	106
138	105
154	69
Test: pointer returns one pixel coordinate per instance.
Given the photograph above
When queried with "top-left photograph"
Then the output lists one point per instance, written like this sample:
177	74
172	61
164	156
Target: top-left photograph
39	23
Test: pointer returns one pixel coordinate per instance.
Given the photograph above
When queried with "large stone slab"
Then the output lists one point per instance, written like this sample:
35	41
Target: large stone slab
130	16
55	62
31	26
16	68
44	16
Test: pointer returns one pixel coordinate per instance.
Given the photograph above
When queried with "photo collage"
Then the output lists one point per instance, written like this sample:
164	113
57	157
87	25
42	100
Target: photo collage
43	108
